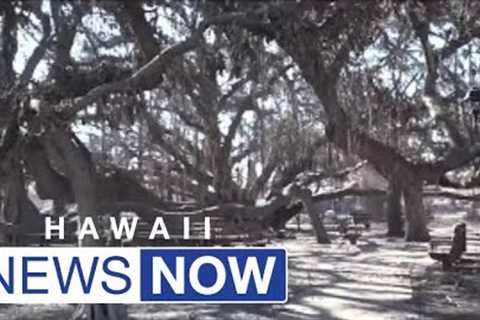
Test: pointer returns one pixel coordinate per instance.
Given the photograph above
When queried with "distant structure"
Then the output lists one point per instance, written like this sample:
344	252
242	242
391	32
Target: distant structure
365	177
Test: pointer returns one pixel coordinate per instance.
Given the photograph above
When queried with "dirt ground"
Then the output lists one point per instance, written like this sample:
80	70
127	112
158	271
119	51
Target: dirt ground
379	278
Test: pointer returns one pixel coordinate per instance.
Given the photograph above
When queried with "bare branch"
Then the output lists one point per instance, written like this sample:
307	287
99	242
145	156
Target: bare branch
151	74
40	50
143	31
159	135
422	30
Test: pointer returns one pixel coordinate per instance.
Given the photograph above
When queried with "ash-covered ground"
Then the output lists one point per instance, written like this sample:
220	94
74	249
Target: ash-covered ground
379	278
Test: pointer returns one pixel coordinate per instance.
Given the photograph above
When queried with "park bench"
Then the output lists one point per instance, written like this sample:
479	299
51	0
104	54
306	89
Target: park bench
457	252
345	225
361	217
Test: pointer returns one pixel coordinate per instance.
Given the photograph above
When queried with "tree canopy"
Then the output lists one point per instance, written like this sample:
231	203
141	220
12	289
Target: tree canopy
162	106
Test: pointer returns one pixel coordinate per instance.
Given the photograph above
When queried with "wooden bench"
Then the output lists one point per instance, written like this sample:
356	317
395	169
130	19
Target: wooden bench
345	226
361	217
456	252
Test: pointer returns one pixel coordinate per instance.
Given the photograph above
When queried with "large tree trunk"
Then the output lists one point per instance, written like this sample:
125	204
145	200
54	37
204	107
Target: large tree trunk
306	196
415	212
395	221
280	218
323	77
20	215
320	232
83	179
48	182
375	205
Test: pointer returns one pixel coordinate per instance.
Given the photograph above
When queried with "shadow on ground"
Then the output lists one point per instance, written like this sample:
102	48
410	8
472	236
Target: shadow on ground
379	278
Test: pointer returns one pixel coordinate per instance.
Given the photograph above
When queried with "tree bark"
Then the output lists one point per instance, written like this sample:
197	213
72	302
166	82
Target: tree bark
49	184
9	47
415	213
320	232
83	179
280	218
395	221
375	206
305	196
20	213
323	77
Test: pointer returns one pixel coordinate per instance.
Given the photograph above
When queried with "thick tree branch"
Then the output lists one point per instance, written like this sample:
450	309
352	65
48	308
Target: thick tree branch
151	73
9	43
144	32
422	30
42	46
159	135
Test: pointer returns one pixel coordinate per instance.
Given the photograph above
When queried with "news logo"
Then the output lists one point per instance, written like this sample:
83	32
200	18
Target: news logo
143	275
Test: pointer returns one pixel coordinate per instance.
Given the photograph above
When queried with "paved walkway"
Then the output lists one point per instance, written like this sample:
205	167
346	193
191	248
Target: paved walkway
372	280
339	281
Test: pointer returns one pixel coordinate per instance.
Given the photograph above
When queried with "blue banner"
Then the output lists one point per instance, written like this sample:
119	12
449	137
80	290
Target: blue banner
254	275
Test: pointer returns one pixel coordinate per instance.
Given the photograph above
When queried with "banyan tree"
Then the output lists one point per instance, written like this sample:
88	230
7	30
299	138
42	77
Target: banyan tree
235	108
